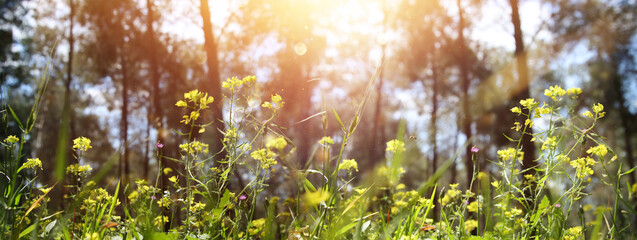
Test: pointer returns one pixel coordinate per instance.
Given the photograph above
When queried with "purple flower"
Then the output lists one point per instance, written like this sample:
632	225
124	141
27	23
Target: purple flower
160	145
474	149
243	197
557	205
153	197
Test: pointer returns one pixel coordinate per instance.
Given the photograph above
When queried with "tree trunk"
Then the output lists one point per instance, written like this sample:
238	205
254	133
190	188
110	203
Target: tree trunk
464	77
625	121
375	144
124	122
213	87
528	161
157	116
69	73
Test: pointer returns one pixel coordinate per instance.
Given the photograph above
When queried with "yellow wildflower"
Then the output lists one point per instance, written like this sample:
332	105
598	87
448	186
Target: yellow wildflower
469	225
82	144
326	141
265	156
32	163
574	92
395	146
160	220
279	143
173	179
599	150
529	103
316	197
554	91
11	139
349	164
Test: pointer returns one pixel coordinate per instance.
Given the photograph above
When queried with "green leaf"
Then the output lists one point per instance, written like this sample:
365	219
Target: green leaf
164	236
15	117
308	185
353	125
28	230
629	171
346	228
338	119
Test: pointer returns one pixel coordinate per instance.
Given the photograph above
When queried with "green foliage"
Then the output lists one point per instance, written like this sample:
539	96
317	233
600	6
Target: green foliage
201	204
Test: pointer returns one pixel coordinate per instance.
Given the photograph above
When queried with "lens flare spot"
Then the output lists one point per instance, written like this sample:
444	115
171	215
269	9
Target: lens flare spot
300	48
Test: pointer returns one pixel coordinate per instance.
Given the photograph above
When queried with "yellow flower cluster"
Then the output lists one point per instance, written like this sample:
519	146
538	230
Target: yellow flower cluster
573	233
256	227
230	135
451	194
529	103
582	167
598	109
32	163
197	207
199	100
599	150
509	154
173	179
277	102
97	197
265	156
82	144
234	82
395	146
195	147
554	92
348	164
474	206
469	225
316	197
160	220
278	143
164	202
513	213
11	139
542	110
76	169
326	141
550	143
574	92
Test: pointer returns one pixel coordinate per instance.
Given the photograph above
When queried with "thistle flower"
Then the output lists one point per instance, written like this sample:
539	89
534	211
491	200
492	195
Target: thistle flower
474	149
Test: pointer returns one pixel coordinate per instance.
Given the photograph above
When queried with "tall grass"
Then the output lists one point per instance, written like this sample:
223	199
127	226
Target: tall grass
200	201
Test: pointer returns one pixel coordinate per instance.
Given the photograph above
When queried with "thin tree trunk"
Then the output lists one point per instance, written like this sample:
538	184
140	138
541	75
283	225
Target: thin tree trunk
157	116
375	144
434	128
124	122
464	76
528	161
213	86
69	75
625	120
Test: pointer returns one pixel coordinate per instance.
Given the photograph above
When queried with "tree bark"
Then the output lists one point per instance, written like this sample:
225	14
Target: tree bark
213	87
464	77
157	116
375	145
528	161
124	121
